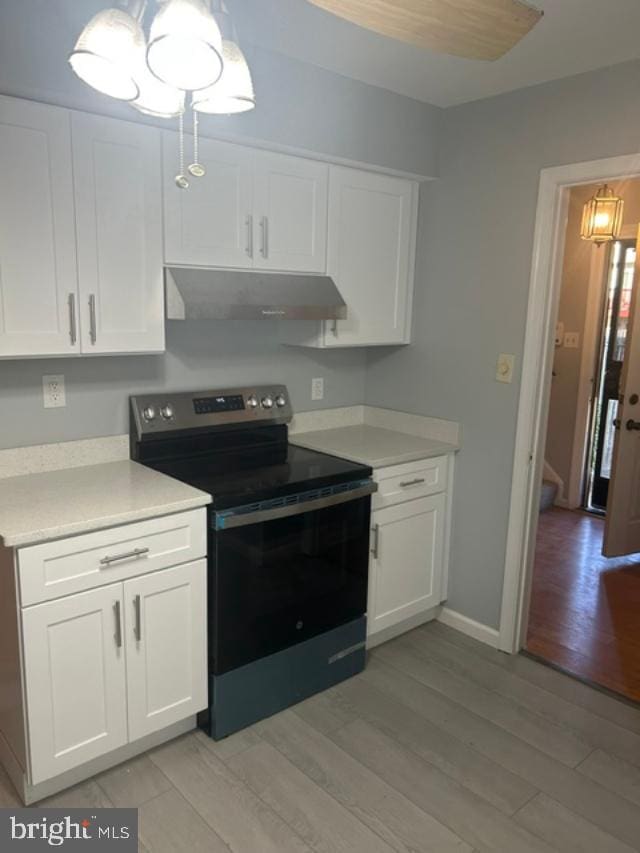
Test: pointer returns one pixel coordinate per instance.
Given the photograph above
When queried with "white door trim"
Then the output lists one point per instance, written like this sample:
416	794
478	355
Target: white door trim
544	292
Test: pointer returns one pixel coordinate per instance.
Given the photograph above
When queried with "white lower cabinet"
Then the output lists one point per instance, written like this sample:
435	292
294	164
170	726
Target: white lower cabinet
108	666
166	645
75	680
409	533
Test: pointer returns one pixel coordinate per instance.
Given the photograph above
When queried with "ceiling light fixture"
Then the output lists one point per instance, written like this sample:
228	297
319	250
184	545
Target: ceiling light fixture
192	48
108	53
185	45
233	93
602	217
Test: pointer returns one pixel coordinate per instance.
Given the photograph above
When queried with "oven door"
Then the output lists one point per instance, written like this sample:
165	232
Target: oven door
281	575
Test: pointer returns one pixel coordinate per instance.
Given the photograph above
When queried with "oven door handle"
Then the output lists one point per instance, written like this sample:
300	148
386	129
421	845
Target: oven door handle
244	519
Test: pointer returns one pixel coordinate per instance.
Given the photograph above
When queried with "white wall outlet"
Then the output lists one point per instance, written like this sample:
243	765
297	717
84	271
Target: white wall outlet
53	391
572	340
504	370
317	389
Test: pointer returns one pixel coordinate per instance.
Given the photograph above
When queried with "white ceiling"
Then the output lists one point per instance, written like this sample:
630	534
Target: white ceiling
572	37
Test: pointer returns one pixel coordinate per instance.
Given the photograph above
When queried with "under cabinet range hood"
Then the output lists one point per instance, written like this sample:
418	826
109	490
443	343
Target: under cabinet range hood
198	293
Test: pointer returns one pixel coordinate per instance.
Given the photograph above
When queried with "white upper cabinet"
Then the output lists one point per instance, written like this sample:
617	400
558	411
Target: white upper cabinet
372	228
38	284
119	230
251	210
211	222
291	213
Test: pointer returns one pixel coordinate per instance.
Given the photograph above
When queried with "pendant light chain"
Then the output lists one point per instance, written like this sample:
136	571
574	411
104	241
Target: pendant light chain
181	179
196	168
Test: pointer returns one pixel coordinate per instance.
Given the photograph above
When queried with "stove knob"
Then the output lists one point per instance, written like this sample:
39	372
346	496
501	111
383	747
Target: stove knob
281	401
267	402
252	402
149	414
167	412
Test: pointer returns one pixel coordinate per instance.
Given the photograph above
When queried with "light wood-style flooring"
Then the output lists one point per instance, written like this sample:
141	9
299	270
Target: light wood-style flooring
585	609
441	745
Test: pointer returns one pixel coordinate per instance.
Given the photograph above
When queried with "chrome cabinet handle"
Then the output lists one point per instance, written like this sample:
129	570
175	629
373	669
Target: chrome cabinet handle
334	328
137	630
118	634
92	319
376	541
129	555
249	223
264	225
73	331
415	482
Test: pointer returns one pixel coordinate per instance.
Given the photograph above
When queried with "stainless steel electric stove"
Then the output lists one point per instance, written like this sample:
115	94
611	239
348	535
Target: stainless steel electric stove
287	546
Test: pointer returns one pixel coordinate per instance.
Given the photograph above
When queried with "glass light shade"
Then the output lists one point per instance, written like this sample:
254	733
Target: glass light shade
156	98
602	217
185	45
107	53
233	93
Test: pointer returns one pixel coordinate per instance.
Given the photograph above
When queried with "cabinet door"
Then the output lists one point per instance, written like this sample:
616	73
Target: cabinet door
166	647
38	279
119	226
406	561
372	221
290	213
75	680
211	222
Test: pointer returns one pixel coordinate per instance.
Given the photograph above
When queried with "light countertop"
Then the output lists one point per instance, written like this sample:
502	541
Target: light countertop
372	445
51	505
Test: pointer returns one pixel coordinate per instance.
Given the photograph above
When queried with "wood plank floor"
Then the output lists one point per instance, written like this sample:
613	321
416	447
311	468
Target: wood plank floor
442	745
585	608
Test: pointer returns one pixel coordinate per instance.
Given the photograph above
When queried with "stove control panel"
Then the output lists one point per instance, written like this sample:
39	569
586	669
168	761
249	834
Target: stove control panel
153	414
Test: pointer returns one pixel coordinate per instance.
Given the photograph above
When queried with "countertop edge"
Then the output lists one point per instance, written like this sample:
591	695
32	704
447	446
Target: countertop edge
51	534
441	448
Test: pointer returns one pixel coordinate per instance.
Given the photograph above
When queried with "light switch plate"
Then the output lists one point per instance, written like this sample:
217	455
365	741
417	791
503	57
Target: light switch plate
54	391
572	340
317	388
559	333
504	370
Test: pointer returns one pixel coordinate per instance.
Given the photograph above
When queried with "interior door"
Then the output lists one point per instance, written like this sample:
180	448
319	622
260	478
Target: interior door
291	213
38	279
211	222
75	680
622	525
119	227
166	642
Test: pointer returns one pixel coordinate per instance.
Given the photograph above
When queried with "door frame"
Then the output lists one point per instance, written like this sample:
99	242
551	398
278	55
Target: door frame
535	384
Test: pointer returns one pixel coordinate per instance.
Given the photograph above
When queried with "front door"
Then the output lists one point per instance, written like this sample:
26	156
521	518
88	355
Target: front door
622	528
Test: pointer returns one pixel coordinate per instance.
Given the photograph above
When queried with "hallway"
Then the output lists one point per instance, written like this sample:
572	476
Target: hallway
585	608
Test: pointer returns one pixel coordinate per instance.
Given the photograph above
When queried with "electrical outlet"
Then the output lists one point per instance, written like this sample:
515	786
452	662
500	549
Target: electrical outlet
504	370
53	392
317	389
572	340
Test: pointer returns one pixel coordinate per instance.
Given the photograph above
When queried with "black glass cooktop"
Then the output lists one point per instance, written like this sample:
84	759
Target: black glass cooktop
237	478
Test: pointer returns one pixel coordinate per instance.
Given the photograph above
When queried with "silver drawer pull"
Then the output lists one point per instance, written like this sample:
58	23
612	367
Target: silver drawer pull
415	482
376	541
130	555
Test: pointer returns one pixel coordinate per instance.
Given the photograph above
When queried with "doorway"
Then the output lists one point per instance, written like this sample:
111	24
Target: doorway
582	608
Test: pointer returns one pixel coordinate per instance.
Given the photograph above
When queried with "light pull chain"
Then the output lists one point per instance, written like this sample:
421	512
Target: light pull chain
181	179
196	168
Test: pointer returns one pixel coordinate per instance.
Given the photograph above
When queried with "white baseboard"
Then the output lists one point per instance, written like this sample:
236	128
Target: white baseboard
480	632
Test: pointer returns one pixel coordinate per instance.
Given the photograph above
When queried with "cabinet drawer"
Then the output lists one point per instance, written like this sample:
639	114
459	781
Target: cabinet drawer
399	483
66	566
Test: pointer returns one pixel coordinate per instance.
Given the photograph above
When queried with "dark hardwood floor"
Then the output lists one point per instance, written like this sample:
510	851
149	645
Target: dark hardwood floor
585	608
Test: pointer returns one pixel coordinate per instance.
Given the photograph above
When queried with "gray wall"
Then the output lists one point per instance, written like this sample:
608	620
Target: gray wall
199	355
474	262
